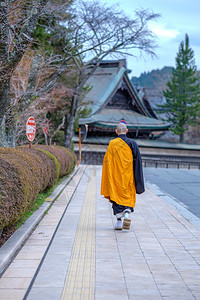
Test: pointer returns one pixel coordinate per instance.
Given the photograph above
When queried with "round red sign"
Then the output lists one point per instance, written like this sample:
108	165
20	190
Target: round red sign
30	129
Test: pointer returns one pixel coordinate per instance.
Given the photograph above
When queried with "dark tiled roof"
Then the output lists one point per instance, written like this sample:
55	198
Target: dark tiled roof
104	83
110	117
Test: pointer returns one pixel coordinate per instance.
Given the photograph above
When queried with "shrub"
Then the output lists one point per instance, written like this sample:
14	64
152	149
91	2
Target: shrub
11	193
55	164
62	156
24	173
23	184
49	174
73	158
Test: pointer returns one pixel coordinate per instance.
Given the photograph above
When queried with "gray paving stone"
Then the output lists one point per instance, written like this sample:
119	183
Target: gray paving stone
157	259
50	293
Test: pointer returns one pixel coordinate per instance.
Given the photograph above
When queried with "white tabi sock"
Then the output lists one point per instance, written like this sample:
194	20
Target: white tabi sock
126	215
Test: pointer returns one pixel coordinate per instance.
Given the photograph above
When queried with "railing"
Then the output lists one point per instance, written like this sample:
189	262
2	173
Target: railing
166	161
151	160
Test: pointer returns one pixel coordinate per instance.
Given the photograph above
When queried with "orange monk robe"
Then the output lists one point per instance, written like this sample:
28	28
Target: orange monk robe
118	182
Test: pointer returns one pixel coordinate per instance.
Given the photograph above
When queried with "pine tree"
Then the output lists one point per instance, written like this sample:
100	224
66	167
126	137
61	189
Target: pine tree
182	95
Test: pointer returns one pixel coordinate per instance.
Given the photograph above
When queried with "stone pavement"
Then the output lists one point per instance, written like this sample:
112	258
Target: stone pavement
74	253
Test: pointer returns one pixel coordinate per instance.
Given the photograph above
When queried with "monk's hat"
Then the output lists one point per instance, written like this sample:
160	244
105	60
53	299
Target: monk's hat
123	121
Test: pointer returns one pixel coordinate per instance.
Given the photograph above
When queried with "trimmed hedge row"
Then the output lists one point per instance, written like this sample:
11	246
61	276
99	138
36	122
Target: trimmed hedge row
24	173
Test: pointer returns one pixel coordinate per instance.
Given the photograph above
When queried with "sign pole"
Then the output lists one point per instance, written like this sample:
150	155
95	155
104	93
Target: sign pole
79	147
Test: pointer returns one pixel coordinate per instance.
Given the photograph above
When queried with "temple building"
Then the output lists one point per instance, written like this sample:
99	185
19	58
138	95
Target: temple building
113	98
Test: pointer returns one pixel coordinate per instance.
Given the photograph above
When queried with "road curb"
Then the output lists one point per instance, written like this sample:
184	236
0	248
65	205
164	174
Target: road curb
189	216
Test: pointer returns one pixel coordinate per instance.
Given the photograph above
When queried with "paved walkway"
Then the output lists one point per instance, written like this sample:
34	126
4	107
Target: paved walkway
74	253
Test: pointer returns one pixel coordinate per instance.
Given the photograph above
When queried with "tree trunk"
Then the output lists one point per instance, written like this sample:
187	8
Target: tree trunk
46	139
7	133
70	119
4	98
181	138
7	118
3	139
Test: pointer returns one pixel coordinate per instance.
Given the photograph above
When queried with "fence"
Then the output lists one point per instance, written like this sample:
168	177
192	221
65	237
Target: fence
152	160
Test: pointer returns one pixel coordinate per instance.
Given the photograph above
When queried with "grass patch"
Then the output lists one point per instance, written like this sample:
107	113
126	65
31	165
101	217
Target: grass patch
38	202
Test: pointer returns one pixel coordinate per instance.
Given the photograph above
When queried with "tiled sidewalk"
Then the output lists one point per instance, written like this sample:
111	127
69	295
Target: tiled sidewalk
17	278
159	258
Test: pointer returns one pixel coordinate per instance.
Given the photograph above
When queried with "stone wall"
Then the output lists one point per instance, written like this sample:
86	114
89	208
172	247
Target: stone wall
91	157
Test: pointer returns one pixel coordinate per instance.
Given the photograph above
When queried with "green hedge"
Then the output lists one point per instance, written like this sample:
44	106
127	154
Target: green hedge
24	173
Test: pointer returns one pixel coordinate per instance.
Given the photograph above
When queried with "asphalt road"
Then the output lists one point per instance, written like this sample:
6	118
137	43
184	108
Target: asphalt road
183	185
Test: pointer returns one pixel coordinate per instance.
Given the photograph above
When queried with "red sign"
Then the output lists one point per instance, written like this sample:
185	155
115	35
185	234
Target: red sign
30	129
46	130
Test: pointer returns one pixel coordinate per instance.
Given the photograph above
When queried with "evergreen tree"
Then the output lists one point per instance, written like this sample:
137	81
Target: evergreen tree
182	95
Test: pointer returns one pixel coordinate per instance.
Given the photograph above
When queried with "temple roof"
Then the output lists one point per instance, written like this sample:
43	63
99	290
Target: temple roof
103	82
112	98
110	117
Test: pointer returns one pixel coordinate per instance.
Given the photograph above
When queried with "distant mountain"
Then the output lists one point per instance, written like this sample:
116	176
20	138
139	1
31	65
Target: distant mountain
154	83
155	79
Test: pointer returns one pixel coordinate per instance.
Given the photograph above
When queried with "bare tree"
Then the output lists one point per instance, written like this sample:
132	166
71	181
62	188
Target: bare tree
15	37
49	111
18	21
90	33
100	31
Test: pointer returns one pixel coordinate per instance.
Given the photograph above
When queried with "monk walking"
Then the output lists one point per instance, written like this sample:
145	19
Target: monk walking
122	176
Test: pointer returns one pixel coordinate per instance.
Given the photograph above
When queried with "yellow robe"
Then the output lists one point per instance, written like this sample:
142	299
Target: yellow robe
118	182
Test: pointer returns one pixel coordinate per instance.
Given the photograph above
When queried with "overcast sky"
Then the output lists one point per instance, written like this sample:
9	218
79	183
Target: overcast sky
177	18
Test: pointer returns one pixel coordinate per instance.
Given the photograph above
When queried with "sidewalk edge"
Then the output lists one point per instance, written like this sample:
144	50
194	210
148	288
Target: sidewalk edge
15	242
189	216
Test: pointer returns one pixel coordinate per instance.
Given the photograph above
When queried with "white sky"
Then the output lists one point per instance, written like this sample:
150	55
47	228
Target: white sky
178	17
